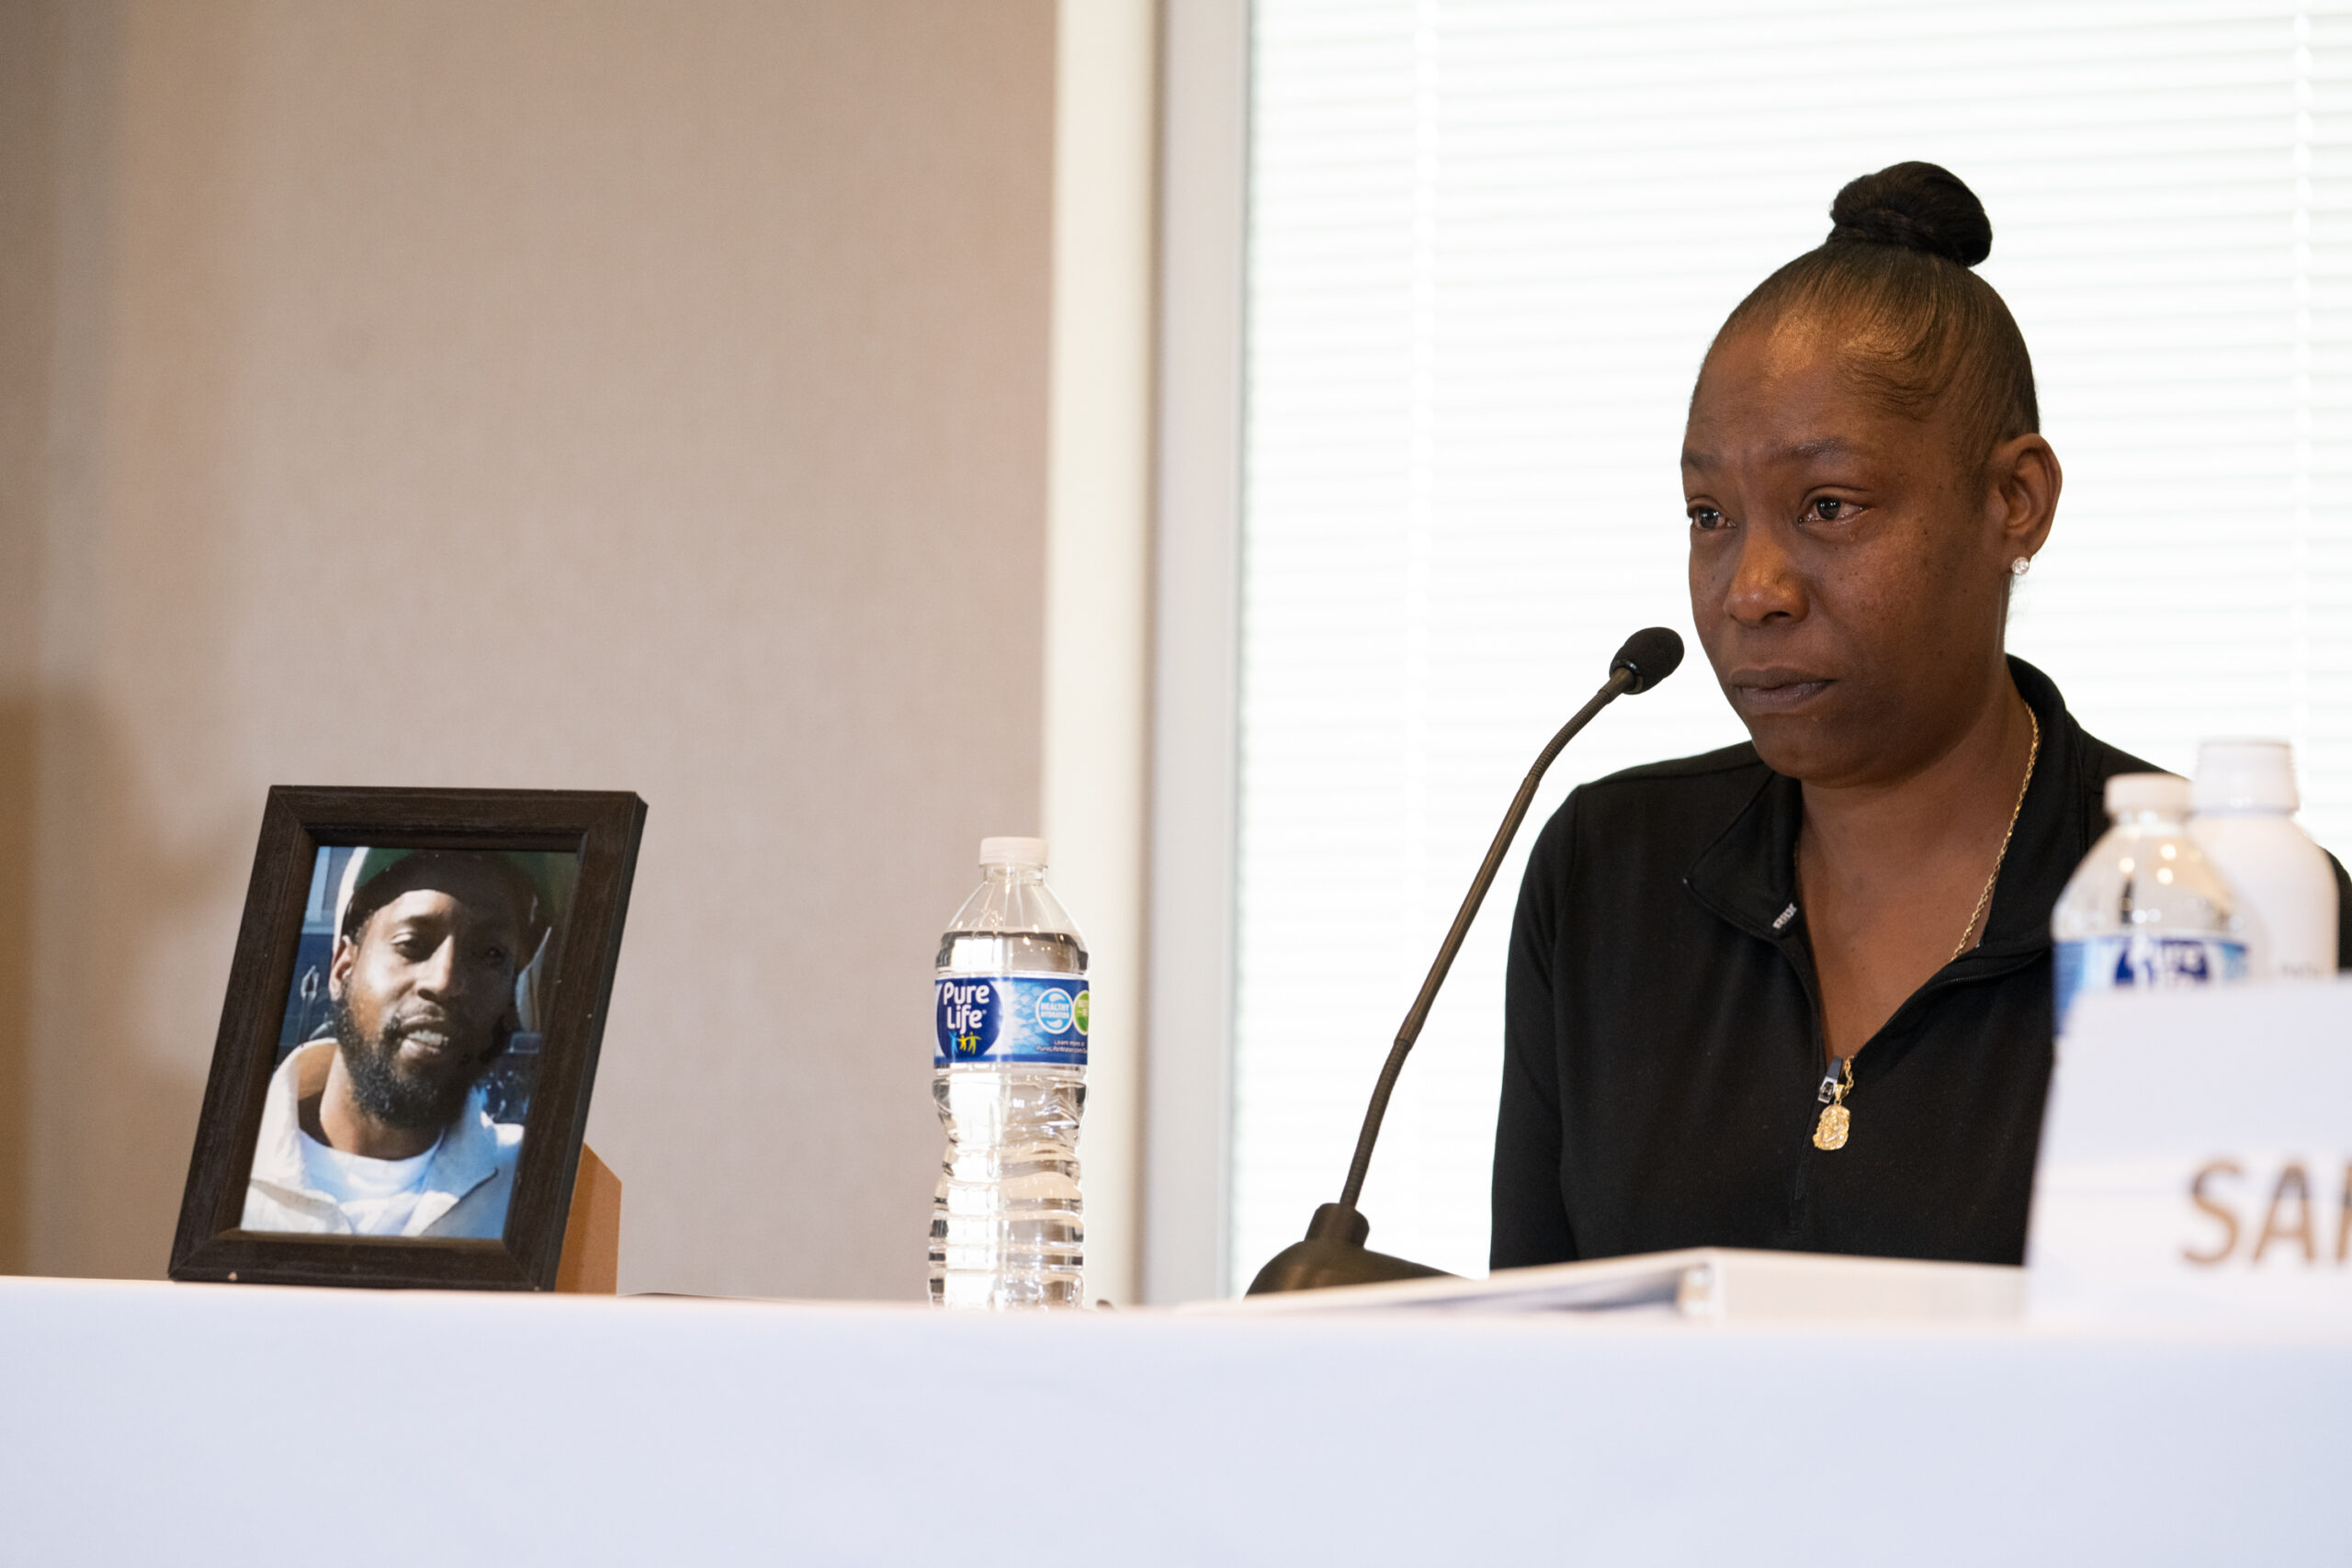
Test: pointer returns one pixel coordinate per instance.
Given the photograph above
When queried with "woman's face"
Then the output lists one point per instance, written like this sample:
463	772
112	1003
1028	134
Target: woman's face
1847	561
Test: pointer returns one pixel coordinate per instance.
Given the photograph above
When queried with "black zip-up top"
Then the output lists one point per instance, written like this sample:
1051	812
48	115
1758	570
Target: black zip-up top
1663	1046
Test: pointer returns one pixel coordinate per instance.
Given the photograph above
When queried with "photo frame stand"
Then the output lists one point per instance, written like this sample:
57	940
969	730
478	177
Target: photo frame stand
591	1263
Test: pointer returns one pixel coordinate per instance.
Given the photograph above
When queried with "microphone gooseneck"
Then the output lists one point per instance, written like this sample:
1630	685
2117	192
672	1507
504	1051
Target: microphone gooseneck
1333	1252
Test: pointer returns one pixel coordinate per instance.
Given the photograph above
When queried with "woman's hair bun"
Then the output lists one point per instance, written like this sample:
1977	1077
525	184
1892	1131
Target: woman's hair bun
1919	207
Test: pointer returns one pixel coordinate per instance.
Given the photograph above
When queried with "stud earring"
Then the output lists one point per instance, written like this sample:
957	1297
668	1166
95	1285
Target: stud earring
2020	566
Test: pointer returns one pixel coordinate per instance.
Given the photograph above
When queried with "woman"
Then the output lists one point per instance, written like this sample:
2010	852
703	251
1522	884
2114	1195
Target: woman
1797	993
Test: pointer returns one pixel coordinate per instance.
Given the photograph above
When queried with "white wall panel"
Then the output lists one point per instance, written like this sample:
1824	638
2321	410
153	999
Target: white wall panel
597	395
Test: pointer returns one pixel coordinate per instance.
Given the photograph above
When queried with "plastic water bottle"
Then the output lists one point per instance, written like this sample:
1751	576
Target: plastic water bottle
1009	1076
2145	908
2246	801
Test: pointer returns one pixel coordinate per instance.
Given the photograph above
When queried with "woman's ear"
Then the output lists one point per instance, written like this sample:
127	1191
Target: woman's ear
2022	482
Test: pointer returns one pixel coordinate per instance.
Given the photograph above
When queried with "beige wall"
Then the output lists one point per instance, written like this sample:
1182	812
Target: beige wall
643	396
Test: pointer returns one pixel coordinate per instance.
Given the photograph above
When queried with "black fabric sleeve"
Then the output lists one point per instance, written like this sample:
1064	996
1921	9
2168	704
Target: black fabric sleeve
1531	1221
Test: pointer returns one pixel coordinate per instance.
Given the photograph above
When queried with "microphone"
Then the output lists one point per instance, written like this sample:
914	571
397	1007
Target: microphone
1334	1252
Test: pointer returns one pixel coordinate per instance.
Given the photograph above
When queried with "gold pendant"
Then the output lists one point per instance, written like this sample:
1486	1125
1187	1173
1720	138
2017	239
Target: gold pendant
1830	1132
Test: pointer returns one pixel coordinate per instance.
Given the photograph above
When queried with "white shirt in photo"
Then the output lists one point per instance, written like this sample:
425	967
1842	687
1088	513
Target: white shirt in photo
377	1195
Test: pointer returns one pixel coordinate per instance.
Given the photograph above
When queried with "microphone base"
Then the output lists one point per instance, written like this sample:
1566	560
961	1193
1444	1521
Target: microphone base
1334	1254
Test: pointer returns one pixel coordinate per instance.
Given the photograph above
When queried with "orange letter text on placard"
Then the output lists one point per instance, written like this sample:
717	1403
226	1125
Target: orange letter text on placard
2197	1196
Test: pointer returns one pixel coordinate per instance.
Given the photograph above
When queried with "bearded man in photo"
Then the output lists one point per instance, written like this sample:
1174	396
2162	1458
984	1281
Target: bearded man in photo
383	1129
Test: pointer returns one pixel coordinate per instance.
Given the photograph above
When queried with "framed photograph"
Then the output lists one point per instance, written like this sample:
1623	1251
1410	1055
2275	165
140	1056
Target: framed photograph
401	1078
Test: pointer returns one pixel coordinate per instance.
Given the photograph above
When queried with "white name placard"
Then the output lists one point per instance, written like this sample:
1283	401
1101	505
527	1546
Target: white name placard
2197	1158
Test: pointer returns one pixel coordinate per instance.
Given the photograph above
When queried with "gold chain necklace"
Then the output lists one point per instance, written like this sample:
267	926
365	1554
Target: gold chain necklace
1829	1133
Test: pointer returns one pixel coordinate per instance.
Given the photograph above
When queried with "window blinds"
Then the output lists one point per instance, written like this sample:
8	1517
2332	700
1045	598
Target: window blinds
1489	243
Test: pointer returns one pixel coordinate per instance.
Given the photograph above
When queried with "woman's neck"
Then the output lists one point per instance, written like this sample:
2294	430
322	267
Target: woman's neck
1890	871
1972	779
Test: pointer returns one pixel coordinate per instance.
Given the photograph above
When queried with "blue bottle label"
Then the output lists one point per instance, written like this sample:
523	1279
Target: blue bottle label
2143	959
1012	1018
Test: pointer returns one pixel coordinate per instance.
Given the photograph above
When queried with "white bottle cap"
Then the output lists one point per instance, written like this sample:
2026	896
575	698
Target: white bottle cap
1021	854
2246	775
2166	794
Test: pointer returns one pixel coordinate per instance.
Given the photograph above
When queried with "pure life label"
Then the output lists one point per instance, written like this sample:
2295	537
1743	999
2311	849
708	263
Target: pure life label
1011	1018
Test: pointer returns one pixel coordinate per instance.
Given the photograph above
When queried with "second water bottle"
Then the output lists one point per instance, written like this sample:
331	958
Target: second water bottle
2145	908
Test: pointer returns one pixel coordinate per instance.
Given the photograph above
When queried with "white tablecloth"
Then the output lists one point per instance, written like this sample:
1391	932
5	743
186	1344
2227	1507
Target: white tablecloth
145	1423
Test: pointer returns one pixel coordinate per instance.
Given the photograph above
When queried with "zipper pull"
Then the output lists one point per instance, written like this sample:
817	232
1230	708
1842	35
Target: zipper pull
1828	1088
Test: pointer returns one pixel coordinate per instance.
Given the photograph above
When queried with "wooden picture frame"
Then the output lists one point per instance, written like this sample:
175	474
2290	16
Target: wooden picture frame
601	829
